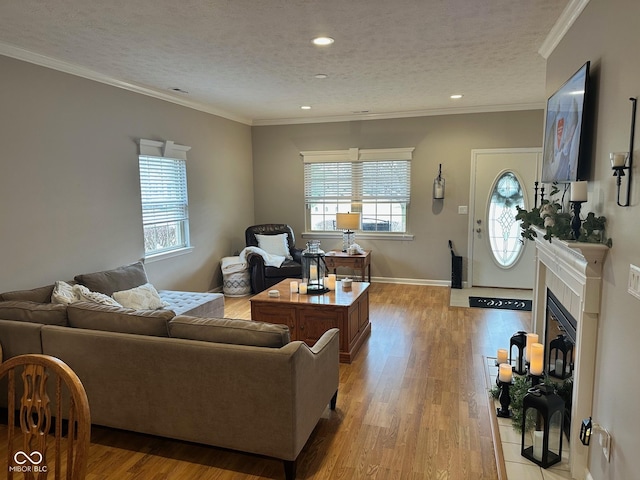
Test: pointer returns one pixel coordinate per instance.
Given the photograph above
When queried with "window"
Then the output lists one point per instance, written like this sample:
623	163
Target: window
504	230
376	183
163	192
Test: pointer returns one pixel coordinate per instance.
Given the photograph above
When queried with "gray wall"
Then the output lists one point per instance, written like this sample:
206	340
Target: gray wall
607	34
69	191
278	178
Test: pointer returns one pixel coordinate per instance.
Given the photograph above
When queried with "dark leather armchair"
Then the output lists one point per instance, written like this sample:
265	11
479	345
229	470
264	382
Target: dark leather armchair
262	276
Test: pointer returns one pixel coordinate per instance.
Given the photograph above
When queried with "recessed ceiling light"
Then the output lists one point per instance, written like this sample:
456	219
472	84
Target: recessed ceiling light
323	41
321	75
456	96
305	107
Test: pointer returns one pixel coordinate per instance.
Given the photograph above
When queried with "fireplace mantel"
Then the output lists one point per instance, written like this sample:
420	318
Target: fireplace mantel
573	272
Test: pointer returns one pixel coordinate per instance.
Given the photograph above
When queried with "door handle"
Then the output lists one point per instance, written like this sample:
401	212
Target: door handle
478	230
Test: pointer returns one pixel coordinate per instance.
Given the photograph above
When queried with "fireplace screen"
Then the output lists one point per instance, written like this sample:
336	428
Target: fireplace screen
560	338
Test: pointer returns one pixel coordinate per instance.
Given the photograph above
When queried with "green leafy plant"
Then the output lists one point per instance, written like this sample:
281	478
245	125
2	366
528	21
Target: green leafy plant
520	387
517	391
555	222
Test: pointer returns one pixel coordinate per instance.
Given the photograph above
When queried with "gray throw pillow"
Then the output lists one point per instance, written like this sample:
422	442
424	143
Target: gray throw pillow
109	281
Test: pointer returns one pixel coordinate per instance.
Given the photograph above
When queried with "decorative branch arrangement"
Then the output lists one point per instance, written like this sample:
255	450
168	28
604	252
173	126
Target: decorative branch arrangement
551	217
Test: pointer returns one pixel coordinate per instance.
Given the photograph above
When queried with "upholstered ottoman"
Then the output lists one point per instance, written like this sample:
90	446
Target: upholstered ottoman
208	305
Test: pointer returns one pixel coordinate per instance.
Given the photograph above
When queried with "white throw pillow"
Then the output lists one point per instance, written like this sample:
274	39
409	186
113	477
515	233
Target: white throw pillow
274	244
144	297
63	293
86	295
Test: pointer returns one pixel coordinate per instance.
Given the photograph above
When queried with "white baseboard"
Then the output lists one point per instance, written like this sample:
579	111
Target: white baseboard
412	281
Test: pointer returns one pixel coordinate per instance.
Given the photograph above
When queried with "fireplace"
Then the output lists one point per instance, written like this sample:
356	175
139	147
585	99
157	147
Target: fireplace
567	289
560	339
559	345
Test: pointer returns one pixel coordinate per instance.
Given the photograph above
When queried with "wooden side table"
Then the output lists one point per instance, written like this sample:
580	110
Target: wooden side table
361	262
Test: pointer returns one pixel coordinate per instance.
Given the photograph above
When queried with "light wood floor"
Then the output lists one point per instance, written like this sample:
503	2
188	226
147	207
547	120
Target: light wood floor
412	405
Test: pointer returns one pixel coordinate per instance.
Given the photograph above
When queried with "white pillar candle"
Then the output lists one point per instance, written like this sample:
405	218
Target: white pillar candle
578	192
559	366
313	273
502	356
293	287
536	360
537	445
505	373
302	288
618	159
332	281
531	338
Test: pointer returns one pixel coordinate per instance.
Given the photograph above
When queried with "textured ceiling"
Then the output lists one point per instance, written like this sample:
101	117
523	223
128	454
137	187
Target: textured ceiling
253	59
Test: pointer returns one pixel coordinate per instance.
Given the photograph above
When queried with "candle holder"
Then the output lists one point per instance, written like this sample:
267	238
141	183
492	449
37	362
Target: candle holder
576	222
438	185
621	161
535	379
505	399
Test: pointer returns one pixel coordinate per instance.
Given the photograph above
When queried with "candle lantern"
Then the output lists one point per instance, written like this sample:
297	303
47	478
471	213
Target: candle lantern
314	268
560	357
545	409
518	340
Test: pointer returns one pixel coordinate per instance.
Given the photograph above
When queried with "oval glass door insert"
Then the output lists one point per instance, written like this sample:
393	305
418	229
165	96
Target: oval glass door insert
503	228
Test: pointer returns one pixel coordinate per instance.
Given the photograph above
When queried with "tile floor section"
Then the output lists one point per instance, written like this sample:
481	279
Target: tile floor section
518	467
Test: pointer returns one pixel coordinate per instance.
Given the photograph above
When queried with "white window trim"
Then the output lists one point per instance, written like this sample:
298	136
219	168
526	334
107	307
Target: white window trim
167	149
362	155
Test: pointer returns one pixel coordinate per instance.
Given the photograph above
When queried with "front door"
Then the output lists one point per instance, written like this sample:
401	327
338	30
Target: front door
500	180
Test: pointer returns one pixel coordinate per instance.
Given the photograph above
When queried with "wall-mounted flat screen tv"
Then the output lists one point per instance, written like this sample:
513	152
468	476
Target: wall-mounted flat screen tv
563	134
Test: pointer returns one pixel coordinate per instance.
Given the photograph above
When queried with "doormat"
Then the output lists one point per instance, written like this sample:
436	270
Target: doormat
502	303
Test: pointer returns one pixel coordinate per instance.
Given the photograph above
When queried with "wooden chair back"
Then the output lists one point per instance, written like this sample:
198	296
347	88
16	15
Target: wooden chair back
51	395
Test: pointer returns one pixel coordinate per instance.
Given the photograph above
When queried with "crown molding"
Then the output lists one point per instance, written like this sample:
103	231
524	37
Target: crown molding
392	115
567	18
72	69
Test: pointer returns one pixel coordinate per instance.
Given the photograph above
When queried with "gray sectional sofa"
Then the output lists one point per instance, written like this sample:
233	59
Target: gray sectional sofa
228	383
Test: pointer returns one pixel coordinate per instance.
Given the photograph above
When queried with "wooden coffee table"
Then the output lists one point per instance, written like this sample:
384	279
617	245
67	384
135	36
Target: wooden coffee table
309	316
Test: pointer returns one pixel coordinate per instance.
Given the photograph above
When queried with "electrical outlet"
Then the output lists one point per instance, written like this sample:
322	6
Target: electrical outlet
634	281
463	210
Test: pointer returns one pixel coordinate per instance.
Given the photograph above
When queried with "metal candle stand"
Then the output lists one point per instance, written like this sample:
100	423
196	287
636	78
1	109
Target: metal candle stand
576	223
505	399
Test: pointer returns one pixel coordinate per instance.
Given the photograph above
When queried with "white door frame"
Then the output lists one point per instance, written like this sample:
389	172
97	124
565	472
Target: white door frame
472	197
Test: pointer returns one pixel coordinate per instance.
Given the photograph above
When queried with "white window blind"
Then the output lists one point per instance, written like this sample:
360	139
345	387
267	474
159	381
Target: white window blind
376	183
164	198
163	187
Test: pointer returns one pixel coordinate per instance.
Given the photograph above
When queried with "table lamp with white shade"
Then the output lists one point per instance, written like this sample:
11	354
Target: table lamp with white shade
348	222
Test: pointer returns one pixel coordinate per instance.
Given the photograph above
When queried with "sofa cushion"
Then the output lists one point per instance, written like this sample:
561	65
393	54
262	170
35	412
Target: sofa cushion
109	281
40	294
34	312
94	316
144	297
226	330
